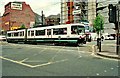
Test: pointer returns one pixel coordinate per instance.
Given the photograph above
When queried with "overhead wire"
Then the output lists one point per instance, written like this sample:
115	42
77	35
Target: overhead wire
47	7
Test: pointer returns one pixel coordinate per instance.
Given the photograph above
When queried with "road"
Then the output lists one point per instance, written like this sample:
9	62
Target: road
43	60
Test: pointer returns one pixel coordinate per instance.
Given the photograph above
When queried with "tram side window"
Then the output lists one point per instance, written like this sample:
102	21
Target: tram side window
16	34
40	32
55	31
48	31
21	33
9	34
28	33
12	34
81	30
77	29
32	33
60	31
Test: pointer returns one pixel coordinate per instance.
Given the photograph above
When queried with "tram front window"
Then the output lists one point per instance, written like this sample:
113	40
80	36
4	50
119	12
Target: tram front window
81	30
77	29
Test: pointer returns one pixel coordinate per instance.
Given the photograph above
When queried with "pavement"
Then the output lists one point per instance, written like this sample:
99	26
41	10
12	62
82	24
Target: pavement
108	49
108	54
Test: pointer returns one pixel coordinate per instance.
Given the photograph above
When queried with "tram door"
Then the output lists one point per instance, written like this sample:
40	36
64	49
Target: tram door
49	34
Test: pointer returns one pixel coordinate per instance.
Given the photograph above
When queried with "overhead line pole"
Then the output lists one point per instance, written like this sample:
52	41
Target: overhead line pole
42	17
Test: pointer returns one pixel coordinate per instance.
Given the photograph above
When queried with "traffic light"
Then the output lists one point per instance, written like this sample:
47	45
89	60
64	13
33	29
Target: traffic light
112	13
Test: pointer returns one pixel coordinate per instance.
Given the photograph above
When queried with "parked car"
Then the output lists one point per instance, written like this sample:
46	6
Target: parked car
2	38
109	37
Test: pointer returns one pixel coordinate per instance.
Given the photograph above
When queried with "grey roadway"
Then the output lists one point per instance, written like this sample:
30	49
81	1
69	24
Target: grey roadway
41	60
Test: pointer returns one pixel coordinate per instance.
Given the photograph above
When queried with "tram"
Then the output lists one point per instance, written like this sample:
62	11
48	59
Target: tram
58	34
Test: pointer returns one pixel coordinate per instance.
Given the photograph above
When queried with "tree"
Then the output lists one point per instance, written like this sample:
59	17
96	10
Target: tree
22	26
98	23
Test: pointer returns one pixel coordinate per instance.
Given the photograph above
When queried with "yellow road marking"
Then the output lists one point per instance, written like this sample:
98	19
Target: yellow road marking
40	65
28	65
24	60
18	62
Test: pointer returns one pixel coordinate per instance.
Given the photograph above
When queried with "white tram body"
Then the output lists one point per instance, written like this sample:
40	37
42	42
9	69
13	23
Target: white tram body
16	35
68	33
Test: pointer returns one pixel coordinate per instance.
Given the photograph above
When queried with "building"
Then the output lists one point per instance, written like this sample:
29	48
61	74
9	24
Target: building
38	19
73	11
17	14
102	8
0	24
66	17
91	11
53	20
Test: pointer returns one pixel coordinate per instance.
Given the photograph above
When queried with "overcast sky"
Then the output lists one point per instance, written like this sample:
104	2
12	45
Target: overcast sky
48	6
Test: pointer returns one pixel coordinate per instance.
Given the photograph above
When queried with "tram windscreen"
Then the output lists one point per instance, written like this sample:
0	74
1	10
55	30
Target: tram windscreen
77	29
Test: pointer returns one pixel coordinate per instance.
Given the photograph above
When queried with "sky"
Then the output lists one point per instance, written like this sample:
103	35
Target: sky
49	7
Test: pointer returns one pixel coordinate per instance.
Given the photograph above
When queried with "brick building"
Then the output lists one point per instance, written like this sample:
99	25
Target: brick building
17	14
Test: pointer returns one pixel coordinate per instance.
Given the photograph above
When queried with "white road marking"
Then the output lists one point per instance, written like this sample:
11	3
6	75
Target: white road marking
105	70
112	68
56	54
80	57
97	74
79	53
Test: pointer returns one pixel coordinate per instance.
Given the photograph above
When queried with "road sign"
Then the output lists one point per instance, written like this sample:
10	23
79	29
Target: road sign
77	12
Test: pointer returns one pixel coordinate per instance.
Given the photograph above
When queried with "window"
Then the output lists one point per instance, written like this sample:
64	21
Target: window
55	31
86	27
16	34
74	30
9	34
32	33
28	33
59	31
48	31
21	33
77	29
40	32
12	34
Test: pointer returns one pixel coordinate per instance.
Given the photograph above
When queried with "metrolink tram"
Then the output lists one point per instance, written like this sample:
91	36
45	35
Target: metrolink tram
58	34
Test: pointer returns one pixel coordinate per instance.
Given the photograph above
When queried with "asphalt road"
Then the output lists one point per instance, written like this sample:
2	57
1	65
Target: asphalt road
42	60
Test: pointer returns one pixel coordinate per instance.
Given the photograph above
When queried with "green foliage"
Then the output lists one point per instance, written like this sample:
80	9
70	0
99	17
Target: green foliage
22	26
98	23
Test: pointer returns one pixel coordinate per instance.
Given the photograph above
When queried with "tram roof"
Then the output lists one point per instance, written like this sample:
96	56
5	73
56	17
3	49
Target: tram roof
56	26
